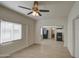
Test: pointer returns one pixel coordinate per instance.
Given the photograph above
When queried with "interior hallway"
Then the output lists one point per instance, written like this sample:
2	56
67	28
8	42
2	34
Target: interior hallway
47	49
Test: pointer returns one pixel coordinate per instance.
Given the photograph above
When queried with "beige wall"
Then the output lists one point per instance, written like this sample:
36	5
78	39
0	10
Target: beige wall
73	14
51	22
28	31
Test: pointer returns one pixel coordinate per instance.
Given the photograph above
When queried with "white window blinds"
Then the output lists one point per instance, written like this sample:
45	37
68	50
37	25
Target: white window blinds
10	31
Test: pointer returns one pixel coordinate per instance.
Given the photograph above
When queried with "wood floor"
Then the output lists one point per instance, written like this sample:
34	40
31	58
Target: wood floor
47	49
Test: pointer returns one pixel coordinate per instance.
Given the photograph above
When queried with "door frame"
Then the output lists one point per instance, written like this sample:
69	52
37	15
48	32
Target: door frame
73	29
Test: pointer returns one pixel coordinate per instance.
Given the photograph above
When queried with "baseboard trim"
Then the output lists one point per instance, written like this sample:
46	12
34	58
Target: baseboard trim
4	55
9	54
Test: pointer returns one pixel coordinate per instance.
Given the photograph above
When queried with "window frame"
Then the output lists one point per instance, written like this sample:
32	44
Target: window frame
9	42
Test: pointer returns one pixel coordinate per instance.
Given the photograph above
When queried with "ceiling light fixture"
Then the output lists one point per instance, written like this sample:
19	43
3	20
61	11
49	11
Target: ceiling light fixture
35	13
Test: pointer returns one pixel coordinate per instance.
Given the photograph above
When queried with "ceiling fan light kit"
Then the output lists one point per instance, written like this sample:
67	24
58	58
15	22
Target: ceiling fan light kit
35	10
35	13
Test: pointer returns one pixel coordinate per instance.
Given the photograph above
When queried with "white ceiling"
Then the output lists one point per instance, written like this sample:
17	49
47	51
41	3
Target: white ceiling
57	9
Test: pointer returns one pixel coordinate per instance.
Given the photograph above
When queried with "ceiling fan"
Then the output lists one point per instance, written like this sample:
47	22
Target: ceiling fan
35	9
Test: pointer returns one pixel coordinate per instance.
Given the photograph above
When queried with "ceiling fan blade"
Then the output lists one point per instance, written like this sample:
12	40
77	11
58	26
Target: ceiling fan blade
25	7
44	10
29	13
39	14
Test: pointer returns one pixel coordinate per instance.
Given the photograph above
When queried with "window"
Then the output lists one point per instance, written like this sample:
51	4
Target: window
10	31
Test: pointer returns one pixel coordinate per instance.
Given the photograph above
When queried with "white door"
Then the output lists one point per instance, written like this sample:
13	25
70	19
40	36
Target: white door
77	38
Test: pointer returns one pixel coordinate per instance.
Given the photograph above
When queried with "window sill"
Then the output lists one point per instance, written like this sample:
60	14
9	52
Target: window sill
8	43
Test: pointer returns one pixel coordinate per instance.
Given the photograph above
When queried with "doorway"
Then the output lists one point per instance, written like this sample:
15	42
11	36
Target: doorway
76	37
45	33
52	32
